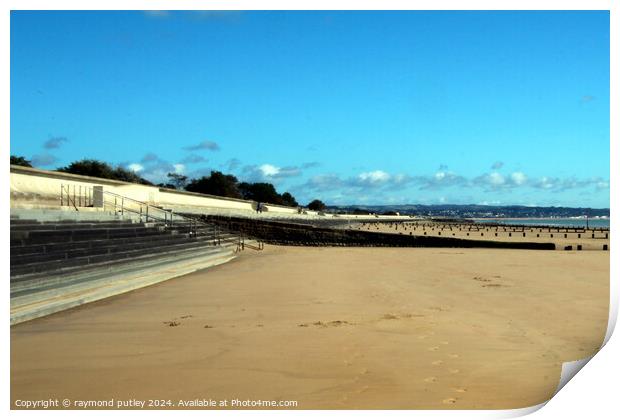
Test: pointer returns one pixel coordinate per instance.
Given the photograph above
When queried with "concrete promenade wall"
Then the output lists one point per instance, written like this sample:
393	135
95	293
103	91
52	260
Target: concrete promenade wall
35	188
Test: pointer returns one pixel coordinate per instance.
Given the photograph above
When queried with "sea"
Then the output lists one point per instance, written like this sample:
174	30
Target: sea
568	222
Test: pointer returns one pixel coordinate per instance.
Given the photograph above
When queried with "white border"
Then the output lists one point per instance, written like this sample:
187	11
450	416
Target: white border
593	393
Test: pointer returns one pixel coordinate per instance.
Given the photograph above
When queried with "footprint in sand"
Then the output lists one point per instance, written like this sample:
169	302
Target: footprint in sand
454	371
430	379
453	356
461	390
362	389
449	401
337	323
433	348
445	342
437	363
422	337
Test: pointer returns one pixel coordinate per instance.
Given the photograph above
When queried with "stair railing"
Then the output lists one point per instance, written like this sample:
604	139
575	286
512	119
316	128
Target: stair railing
83	197
148	212
219	232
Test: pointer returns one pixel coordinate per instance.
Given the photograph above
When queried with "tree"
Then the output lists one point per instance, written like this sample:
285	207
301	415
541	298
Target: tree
260	191
265	192
316	205
99	169
20	160
215	184
178	181
289	200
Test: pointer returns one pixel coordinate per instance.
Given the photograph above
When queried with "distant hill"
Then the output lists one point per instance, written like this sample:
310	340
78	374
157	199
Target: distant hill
472	210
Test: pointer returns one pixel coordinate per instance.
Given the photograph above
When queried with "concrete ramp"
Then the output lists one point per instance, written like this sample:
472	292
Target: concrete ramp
30	300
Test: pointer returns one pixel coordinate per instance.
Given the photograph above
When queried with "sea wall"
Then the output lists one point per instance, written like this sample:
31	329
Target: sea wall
40	189
36	188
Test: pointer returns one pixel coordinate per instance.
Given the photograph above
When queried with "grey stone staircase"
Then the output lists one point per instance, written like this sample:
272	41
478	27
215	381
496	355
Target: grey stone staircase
44	249
59	264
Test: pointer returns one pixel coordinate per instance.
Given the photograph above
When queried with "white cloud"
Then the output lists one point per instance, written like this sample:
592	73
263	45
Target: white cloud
269	170
400	179
179	168
602	184
374	177
518	178
496	179
440	175
269	173
440	179
545	183
135	167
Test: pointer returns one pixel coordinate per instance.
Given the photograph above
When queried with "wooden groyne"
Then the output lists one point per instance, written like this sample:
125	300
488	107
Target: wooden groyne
283	233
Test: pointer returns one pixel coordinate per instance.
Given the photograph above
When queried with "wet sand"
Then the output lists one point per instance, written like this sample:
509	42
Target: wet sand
378	328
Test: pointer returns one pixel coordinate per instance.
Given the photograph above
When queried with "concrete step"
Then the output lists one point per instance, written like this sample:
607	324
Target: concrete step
48	236
65	245
87	249
47	296
16	221
32	227
51	280
62	265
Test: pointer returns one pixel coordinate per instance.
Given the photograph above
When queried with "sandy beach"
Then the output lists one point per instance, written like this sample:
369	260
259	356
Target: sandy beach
331	328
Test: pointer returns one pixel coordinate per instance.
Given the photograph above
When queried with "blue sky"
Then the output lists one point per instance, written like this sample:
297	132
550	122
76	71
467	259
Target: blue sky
349	107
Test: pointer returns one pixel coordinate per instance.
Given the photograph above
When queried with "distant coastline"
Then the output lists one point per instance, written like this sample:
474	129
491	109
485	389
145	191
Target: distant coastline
543	218
475	211
593	222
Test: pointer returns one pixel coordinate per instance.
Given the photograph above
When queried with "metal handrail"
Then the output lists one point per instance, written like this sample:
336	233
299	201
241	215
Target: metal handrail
241	236
134	200
153	212
144	209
